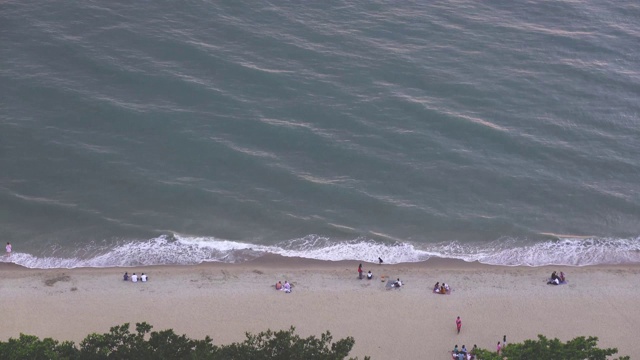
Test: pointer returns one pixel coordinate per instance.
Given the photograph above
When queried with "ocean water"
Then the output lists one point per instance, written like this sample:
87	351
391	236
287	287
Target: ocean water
139	133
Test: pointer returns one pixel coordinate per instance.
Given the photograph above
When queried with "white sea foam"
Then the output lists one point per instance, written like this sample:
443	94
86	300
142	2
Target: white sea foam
182	250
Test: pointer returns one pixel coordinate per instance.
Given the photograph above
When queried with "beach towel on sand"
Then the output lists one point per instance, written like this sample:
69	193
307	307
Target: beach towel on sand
390	284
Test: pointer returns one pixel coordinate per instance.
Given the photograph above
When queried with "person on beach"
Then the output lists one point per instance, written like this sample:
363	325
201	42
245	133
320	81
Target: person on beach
561	277
369	275
446	288
458	324
126	276
134	278
360	271
143	277
436	288
8	248
555	279
380	260
474	351
287	287
498	348
464	350
397	283
279	285
504	340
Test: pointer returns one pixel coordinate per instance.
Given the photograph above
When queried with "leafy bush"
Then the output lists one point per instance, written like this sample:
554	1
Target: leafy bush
580	348
120	343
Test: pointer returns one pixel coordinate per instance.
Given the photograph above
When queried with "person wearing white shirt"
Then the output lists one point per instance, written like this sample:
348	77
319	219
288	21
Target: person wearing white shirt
134	278
143	277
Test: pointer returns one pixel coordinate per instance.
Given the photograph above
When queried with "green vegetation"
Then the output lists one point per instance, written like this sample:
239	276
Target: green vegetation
580	348
120	343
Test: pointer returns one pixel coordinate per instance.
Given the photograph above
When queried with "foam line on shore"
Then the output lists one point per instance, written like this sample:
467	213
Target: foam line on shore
185	250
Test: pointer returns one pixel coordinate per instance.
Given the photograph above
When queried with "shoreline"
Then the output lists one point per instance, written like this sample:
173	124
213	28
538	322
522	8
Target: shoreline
272	259
225	300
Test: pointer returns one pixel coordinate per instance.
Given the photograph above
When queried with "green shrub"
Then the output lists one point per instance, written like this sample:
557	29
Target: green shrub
580	348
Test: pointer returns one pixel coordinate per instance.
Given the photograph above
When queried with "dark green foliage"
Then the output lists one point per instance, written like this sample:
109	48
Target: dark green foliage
580	348
287	345
144	344
120	343
31	347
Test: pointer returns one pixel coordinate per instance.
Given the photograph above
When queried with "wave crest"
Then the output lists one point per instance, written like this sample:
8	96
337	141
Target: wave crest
180	250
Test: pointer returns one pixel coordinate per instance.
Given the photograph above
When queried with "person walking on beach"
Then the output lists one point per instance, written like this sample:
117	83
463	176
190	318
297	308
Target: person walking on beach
8	248
458	324
360	271
380	260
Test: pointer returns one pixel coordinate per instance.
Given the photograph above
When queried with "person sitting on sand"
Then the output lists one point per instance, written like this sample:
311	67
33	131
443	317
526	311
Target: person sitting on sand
134	278
447	288
456	354
287	287
397	283
279	285
126	276
555	279
436	288
369	275
143	277
443	291
561	277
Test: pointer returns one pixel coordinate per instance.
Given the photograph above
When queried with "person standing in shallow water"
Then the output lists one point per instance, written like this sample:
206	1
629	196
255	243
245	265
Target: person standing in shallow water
458	324
8	248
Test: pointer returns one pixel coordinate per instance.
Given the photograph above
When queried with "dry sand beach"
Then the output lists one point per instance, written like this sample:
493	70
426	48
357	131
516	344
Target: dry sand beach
225	300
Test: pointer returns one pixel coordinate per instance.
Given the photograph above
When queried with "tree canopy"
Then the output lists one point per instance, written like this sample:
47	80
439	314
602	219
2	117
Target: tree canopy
120	343
143	344
580	348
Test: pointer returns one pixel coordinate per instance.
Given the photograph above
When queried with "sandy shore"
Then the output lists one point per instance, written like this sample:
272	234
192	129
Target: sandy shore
225	300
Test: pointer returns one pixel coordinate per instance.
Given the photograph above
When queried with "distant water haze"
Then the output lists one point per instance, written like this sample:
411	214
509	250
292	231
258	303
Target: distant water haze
165	133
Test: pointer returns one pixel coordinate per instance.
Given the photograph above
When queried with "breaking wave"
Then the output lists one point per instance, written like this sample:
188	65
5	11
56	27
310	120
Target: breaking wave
183	250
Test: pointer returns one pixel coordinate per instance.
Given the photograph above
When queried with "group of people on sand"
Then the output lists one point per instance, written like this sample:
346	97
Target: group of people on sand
442	289
463	353
360	271
286	287
556	279
134	278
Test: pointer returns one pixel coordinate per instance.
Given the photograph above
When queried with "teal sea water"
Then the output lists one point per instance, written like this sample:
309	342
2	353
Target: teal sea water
146	132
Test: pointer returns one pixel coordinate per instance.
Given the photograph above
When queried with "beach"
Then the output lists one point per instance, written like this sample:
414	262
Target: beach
226	300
